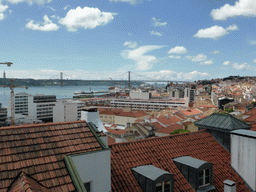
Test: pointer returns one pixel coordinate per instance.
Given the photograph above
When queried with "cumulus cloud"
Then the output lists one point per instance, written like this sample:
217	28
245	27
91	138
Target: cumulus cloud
254	61
41	2
253	42
209	62
215	32
237	66
198	58
178	49
226	63
3	8
87	18
241	8
157	23
47	25
131	44
175	57
155	33
132	2
67	6
215	52
143	61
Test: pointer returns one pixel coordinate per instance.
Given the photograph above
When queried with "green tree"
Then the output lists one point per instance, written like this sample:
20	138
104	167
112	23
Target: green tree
178	131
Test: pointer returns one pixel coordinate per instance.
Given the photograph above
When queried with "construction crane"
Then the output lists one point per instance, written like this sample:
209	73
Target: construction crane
12	99
7	63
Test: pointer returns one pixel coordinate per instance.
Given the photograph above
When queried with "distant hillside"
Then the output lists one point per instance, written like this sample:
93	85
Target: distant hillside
54	82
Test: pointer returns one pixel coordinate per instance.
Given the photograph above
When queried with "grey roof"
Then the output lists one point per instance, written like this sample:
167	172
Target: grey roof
190	161
222	121
150	171
247	133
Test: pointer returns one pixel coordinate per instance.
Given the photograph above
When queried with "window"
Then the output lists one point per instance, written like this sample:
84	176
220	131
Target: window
204	177
87	186
164	186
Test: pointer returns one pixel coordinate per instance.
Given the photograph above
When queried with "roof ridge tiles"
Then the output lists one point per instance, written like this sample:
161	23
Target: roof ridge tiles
41	125
162	137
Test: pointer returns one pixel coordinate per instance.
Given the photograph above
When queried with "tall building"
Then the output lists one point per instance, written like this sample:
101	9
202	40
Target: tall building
190	93
3	115
36	106
67	110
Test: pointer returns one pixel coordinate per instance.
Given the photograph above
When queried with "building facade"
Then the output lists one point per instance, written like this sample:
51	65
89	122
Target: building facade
67	110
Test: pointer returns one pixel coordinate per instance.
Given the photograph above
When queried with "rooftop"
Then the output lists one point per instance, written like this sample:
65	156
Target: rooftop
221	121
39	149
160	153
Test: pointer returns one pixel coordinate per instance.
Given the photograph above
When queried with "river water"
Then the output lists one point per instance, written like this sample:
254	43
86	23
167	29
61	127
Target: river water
60	92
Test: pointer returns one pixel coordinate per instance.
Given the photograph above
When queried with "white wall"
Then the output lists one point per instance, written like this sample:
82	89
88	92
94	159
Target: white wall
139	95
95	167
94	118
243	153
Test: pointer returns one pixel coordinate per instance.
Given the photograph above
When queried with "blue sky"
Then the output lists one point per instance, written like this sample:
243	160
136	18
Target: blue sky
174	40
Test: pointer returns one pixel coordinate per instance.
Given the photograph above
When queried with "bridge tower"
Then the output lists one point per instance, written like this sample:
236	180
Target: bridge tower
129	79
61	79
4	75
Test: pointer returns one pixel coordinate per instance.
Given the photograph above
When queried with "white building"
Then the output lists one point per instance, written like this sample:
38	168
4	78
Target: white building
67	110
36	106
149	104
190	93
140	95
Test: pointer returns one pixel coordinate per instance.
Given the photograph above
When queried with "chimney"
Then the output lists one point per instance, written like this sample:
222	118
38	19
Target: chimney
243	150
92	115
229	186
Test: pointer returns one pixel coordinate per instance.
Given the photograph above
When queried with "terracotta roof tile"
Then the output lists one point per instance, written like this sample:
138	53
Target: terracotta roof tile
160	152
170	128
39	151
168	120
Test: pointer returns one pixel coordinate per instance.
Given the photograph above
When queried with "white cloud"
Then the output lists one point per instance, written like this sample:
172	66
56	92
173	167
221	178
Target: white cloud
131	44
87	18
253	42
132	2
254	61
226	63
215	32
143	62
155	33
198	58
237	66
66	7
157	23
242	66
174	57
178	49
209	62
47	25
3	8
41	2
241	8
215	52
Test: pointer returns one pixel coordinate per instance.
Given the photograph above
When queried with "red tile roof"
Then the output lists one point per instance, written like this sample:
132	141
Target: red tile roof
120	112
25	183
116	131
191	112
168	120
170	128
111	141
39	151
161	151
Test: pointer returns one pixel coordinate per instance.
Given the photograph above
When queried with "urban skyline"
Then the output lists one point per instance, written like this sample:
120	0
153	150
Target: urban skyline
101	39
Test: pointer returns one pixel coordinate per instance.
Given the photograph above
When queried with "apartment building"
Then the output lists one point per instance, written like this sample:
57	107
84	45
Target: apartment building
3	115
67	110
149	104
36	106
